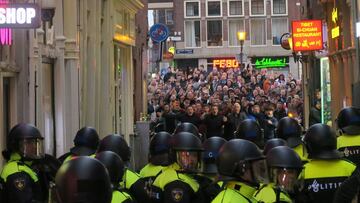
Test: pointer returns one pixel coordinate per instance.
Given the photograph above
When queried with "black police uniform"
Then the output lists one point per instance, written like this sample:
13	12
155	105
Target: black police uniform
21	183
280	159
179	186
131	181
115	168
250	130
349	141
239	157
290	130
325	171
207	178
89	178
86	142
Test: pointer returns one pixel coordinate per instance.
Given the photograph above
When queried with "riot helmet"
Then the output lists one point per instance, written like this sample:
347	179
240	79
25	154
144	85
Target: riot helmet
114	166
348	121
85	142
290	130
275	142
250	130
187	150
321	142
116	143
83	180
211	147
26	139
187	127
160	147
242	160
284	167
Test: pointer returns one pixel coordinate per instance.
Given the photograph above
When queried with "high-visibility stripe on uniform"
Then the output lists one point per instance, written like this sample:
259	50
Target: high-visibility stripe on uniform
14	166
170	175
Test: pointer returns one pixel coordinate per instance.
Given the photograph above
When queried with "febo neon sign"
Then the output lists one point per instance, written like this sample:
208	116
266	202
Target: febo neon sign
24	15
225	63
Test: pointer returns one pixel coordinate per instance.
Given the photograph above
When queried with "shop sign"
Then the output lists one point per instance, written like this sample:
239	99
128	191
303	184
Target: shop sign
159	32
184	51
358	29
307	35
335	32
19	15
225	63
270	62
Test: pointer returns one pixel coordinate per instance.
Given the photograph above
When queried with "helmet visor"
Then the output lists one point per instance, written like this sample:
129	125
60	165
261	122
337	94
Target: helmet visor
259	168
284	178
188	161
32	148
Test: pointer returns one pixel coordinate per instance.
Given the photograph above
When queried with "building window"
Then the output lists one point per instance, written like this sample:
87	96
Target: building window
279	7
257	7
213	8
192	33
169	17
214	33
234	27
235	7
192	9
258	31
279	26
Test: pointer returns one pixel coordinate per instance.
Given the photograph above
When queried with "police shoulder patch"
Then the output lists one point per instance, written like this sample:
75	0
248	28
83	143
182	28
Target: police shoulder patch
20	183
177	194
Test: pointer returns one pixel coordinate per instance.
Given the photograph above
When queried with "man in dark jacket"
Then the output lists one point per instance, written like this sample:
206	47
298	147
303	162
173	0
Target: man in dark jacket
269	123
233	121
214	123
315	113
190	117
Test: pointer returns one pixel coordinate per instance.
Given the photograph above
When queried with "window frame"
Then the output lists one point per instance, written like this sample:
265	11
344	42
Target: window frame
272	41
243	9
192	20
286	8
166	21
221	9
257	15
222	33
266	32
190	1
235	19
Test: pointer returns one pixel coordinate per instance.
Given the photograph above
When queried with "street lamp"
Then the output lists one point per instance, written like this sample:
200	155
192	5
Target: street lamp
241	37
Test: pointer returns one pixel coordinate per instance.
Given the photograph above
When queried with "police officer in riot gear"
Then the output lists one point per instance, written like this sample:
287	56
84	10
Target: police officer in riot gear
86	142
207	179
272	143
115	168
250	130
348	122
178	185
187	127
243	166
21	183
284	166
159	157
83	180
131	181
290	130
326	170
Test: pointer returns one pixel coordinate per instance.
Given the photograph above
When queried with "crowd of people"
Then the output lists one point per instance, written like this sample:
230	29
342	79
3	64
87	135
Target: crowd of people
216	101
315	167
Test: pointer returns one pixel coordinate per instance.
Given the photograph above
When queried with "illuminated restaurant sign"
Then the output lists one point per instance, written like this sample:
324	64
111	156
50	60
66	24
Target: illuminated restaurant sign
225	63
270	62
19	15
307	35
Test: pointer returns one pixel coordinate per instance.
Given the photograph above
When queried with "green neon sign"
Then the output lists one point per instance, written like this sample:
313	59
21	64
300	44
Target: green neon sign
271	62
